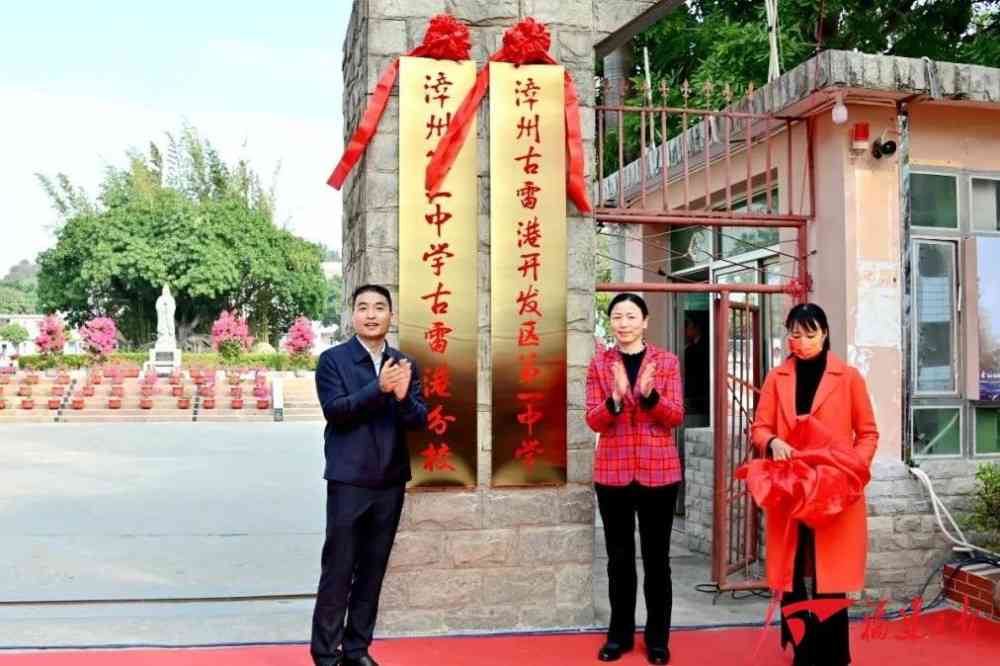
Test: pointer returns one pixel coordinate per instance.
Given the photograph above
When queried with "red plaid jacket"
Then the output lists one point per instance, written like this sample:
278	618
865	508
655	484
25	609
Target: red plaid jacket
637	444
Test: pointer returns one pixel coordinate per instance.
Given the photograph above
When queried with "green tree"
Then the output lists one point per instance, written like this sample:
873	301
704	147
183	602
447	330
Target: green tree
334	301
181	217
15	301
14	333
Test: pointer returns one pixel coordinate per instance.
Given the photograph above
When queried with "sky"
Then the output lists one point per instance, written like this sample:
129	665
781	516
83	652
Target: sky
83	82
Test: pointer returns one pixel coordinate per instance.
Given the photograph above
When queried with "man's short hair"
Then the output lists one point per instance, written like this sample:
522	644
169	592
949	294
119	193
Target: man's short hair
375	288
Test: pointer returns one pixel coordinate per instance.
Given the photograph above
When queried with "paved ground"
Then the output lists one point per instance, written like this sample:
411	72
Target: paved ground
146	511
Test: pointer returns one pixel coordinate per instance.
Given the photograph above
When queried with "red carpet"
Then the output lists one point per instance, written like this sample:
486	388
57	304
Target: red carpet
944	642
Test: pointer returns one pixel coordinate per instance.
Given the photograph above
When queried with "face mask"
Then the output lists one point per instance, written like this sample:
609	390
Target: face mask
805	348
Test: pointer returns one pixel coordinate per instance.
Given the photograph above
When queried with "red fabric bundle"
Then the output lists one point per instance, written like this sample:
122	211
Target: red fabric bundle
823	478
446	39
527	43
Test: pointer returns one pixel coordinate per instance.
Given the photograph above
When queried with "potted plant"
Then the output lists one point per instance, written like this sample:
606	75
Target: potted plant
132	371
96	377
62	378
100	338
88	391
208	403
146	390
177	390
114	402
184	401
54	403
231	338
4	379
117	391
145	403
77	402
3	404
31	378
57	389
27	403
24	391
237	397
263	403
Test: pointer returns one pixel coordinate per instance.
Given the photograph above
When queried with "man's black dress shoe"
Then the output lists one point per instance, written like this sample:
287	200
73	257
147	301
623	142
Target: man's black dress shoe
362	660
336	660
612	651
656	655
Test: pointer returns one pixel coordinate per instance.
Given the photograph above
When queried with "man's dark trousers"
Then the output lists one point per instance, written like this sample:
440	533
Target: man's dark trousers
360	528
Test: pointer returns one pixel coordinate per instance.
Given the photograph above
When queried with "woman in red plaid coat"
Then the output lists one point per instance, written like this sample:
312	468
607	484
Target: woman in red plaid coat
634	401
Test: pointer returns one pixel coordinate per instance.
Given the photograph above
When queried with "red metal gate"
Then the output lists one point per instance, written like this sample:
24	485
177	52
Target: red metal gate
736	519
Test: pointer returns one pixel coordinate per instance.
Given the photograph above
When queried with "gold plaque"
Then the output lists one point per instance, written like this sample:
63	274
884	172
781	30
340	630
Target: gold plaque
438	239
528	274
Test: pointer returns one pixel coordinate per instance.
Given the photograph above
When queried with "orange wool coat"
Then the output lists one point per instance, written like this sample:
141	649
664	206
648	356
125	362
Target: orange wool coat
842	405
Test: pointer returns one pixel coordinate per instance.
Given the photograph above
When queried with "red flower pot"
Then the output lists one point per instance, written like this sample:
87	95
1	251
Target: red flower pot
263	403
118	391
4	380
237	403
115	403
198	380
31	379
27	403
183	403
54	403
96	379
208	403
58	389
146	391
206	391
177	391
146	403
77	403
62	379
132	372
88	391
3	404
24	391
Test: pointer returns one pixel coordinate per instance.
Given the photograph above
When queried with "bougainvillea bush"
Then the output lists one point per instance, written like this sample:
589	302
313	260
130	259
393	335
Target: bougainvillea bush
231	337
299	342
100	337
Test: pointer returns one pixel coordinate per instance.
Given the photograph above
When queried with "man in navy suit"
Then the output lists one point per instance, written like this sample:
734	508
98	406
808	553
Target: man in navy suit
370	394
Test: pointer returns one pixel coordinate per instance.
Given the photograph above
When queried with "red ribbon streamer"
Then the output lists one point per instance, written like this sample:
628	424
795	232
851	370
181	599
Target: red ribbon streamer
527	43
446	39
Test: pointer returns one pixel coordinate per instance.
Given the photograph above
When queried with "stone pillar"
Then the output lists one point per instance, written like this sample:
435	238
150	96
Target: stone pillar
484	559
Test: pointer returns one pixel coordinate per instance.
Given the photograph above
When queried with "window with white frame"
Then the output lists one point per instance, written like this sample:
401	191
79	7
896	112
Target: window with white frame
946	208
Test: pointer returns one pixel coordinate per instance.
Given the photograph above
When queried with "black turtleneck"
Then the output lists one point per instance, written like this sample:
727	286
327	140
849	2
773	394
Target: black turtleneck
807	377
633	363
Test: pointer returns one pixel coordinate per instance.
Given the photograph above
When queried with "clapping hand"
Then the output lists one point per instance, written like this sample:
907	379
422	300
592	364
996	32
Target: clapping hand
647	380
621	388
390	376
403	383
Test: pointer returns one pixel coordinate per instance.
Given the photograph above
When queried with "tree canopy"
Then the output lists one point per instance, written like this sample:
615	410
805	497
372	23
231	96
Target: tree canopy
186	218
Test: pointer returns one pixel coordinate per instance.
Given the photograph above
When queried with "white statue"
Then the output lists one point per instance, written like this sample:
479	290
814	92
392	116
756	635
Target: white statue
165	307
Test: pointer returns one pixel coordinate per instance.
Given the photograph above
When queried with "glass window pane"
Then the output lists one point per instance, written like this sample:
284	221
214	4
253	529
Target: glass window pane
736	240
987	430
937	431
777	306
985	204
933	200
935	297
689	247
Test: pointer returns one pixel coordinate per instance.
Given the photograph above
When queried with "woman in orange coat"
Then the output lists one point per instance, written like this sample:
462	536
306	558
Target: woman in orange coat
815	382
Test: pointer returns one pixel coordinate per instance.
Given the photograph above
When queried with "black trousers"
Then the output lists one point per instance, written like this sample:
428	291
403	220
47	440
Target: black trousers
360	529
823	643
654	506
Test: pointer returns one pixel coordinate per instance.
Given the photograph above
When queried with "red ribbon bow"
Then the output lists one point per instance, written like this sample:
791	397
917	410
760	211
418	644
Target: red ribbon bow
446	39
527	43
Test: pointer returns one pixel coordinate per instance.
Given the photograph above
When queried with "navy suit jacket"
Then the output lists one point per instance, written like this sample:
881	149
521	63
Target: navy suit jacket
365	428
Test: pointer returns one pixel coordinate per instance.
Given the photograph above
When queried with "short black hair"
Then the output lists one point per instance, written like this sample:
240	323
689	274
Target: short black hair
376	288
634	298
810	317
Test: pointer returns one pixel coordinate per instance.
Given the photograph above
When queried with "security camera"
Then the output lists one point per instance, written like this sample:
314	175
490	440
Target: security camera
883	147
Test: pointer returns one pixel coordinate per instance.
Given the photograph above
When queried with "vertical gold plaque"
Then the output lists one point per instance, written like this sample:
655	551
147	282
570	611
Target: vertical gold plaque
438	239
528	274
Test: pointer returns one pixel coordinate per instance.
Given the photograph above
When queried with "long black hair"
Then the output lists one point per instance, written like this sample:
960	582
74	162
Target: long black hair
810	317
633	298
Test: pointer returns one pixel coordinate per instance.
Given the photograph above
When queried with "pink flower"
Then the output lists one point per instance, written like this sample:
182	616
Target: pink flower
51	337
230	328
100	336
300	337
